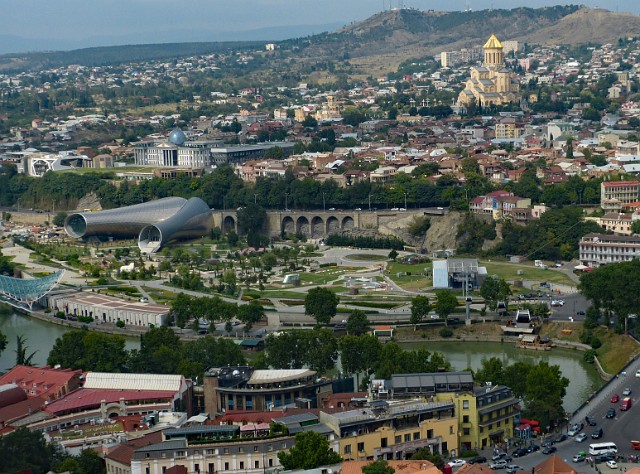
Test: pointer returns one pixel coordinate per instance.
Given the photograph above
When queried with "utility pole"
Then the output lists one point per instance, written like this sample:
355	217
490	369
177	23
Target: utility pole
324	206
405	200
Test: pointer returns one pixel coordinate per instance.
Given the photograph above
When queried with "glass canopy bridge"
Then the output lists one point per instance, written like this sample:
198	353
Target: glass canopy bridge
27	291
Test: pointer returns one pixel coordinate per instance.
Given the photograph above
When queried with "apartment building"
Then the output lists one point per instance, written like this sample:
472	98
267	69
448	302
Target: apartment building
394	429
615	194
617	223
484	414
600	249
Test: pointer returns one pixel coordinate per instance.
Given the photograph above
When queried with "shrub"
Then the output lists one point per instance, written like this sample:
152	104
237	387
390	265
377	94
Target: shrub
596	343
468	454
47	311
590	356
446	332
120	323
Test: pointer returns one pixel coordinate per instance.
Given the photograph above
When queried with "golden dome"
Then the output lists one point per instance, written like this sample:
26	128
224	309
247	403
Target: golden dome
493	43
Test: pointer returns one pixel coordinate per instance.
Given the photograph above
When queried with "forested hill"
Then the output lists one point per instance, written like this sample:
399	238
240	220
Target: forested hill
110	55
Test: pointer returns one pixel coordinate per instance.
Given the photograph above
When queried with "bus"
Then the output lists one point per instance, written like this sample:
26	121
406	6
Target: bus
596	449
626	404
635	444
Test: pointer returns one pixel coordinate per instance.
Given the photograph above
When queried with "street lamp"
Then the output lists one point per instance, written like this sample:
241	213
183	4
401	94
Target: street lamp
405	200
324	207
286	205
369	201
255	198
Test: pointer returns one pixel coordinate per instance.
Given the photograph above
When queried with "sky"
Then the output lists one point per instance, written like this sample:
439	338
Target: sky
68	24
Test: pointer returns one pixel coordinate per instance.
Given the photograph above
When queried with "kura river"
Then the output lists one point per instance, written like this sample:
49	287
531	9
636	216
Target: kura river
40	337
583	377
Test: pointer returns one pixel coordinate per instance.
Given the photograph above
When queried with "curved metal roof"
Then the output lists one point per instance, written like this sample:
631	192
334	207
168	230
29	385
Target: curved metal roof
28	290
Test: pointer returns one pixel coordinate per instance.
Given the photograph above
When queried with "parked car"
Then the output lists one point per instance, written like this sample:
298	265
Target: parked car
580	438
557	303
560	438
512	468
612	464
591	421
580	313
597	434
575	429
549	450
611	413
477	460
520	452
499	464
615	398
498	456
457	463
637	373
533	448
548	442
626	392
578	458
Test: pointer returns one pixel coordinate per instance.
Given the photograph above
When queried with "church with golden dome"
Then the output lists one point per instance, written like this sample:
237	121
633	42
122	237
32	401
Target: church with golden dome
492	83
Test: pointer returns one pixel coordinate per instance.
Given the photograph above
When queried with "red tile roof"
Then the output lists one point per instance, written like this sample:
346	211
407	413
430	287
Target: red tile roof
43	381
20	409
123	453
87	398
609	184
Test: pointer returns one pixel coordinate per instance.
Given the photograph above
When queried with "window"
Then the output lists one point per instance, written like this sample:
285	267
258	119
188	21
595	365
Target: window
465	404
241	464
270	462
210	467
197	467
347	449
429	434
416	435
225	450
256	464
360	447
466	431
255	449
407	437
383	442
451	429
398	439
226	466
465	419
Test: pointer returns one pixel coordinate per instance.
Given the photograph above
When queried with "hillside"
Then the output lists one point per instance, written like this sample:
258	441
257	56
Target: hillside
380	42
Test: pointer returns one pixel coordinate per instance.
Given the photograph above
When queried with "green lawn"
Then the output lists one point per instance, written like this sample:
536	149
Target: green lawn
509	271
367	257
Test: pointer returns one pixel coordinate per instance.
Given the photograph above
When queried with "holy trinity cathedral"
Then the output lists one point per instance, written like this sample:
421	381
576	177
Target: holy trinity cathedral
492	83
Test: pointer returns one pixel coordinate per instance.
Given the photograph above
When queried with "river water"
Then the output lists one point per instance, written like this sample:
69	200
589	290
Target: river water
583	378
40	336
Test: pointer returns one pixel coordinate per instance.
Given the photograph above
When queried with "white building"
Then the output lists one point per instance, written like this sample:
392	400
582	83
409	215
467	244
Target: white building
107	309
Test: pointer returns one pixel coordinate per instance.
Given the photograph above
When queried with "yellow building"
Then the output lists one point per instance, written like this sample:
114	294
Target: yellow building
485	415
492	83
394	430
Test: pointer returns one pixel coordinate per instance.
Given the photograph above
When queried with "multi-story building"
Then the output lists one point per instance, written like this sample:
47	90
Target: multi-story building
484	414
615	194
498	204
600	249
394	430
243	388
617	223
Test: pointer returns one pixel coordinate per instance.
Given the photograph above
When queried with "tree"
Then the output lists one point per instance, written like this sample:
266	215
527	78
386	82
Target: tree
446	303
359	353
357	323
316	349
494	289
546	388
58	219
21	351
311	450
393	254
426	455
635	227
23	449
250	314
3	342
378	467
321	304
420	307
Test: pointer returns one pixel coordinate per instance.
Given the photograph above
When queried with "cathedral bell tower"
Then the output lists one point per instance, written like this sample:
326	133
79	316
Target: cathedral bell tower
493	53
